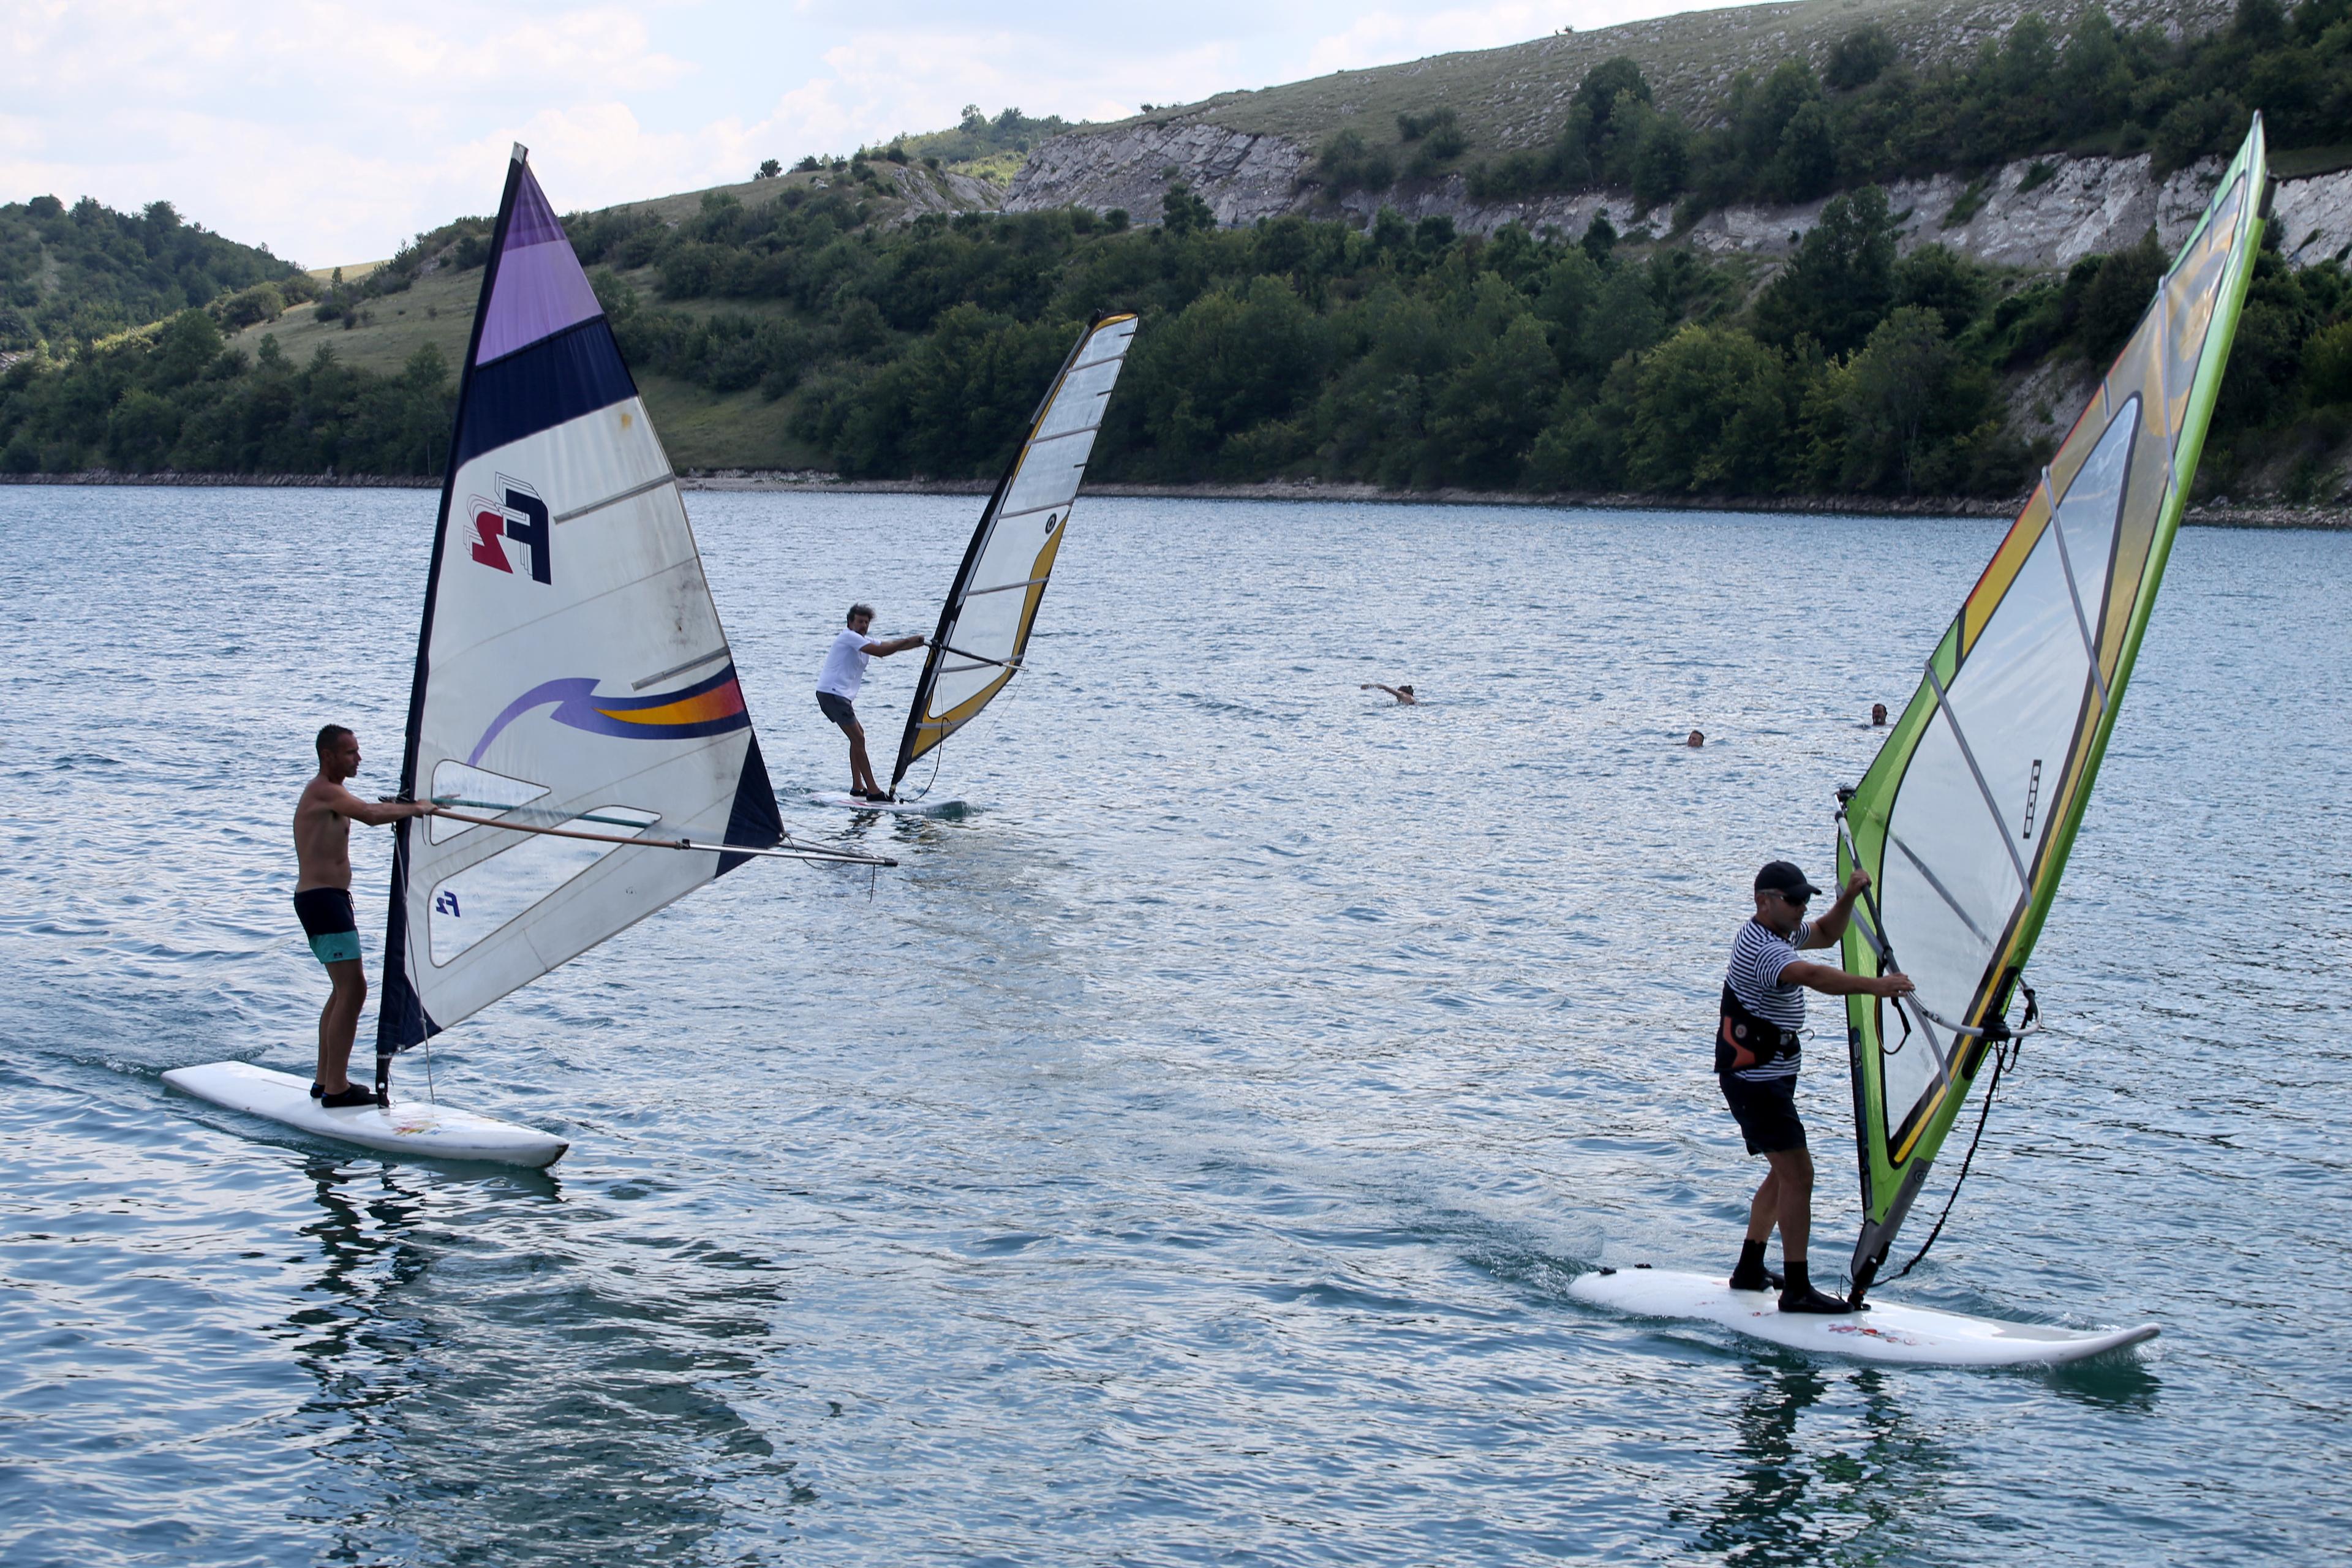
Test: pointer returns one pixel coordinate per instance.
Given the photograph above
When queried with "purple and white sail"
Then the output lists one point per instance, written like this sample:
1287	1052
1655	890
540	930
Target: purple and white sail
571	672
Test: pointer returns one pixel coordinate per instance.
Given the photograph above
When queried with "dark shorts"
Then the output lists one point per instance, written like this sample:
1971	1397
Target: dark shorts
836	707
327	921
1766	1113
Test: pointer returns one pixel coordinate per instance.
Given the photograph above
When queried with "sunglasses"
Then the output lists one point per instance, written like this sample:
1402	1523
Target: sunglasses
1799	899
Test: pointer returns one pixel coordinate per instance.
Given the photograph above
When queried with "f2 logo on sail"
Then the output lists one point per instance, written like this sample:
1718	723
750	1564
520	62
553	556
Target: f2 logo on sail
521	519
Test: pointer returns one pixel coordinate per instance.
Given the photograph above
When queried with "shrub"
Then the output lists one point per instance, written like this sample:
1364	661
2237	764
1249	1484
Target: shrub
1346	164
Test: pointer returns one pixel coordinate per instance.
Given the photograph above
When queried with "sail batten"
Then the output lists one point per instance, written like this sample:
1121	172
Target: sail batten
1965	818
993	604
563	571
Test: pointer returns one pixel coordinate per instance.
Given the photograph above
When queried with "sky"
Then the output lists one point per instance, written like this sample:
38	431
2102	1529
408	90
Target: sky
332	130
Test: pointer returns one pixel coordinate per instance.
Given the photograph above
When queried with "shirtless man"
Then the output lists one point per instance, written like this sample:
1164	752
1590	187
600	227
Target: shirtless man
1404	694
322	902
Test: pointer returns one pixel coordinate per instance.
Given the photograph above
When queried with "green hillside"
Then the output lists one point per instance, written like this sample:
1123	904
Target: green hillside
856	316
425	296
71	274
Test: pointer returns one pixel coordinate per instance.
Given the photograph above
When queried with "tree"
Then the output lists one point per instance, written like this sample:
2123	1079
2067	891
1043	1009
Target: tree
2116	296
1806	165
1858	59
1181	212
1491	408
1842	281
1939	278
140	432
1599	237
1347	165
1624	320
2329	364
769	169
1906	387
1661	162
1606	84
1713	410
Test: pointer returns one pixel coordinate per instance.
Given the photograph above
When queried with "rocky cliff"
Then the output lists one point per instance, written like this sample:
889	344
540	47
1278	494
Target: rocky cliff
1248	154
2034	212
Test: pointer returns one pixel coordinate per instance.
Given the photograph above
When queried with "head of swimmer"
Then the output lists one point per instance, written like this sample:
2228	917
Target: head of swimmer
1697	739
1877	714
339	753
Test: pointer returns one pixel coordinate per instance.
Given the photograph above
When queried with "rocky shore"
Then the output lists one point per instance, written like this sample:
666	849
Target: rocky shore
2219	514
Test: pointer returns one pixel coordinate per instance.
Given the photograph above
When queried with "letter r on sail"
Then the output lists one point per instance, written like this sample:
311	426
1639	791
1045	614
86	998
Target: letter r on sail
490	527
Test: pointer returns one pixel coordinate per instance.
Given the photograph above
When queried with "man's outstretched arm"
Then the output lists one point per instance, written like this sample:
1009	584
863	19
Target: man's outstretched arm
375	814
1832	981
894	644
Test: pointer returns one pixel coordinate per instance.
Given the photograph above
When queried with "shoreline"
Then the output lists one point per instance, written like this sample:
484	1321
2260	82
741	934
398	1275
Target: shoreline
776	482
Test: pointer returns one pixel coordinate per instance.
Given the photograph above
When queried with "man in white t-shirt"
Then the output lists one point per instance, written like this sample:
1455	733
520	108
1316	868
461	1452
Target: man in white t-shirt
836	691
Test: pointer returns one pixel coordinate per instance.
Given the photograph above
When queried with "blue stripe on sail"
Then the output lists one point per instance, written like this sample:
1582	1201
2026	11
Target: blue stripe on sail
559	378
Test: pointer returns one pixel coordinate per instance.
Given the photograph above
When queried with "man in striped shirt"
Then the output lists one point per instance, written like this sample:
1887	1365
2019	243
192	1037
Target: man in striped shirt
1756	1048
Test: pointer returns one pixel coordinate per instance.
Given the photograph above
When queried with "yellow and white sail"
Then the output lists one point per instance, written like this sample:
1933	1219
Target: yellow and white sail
983	630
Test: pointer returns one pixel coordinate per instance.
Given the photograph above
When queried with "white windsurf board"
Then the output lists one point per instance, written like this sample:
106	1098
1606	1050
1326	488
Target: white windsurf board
1886	1332
843	800
411	1127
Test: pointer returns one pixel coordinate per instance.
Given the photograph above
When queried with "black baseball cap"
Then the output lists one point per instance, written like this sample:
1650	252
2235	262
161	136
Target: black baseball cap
1782	877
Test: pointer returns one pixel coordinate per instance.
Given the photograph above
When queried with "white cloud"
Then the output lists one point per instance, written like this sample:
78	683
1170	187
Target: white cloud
333	128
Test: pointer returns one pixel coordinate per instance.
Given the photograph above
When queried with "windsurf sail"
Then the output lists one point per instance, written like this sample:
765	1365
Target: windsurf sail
1964	818
574	704
984	625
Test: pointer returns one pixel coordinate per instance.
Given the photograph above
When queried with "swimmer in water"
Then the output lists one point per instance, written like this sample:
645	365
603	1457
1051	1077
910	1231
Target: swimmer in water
1401	693
1697	739
1878	715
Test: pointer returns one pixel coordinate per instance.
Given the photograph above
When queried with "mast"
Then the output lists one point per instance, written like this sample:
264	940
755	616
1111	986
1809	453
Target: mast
401	1021
1965	818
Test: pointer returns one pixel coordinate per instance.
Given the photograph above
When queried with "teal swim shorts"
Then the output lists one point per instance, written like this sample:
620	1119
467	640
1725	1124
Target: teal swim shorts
327	921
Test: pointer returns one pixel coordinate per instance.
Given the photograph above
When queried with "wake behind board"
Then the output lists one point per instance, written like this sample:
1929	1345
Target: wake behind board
843	800
1888	1332
412	1127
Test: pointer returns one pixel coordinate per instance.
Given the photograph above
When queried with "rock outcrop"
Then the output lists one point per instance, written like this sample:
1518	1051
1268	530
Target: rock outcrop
2038	213
1243	176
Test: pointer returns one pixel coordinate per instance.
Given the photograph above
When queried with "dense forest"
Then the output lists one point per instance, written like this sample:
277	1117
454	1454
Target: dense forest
71	274
1400	353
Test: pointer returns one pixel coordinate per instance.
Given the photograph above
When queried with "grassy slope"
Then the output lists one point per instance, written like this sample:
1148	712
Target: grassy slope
1516	95
702	429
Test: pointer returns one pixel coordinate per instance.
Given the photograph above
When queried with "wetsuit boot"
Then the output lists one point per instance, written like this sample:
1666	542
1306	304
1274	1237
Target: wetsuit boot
1798	1295
1752	1274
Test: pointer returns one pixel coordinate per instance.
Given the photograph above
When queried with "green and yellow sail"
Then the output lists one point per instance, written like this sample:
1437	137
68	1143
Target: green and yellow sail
1965	819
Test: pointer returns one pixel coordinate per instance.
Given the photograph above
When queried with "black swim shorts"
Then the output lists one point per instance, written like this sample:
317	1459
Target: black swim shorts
1767	1112
836	707
327	921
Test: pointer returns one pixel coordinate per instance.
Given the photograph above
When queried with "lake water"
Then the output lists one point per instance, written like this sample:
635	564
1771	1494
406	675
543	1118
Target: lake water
1182	1157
